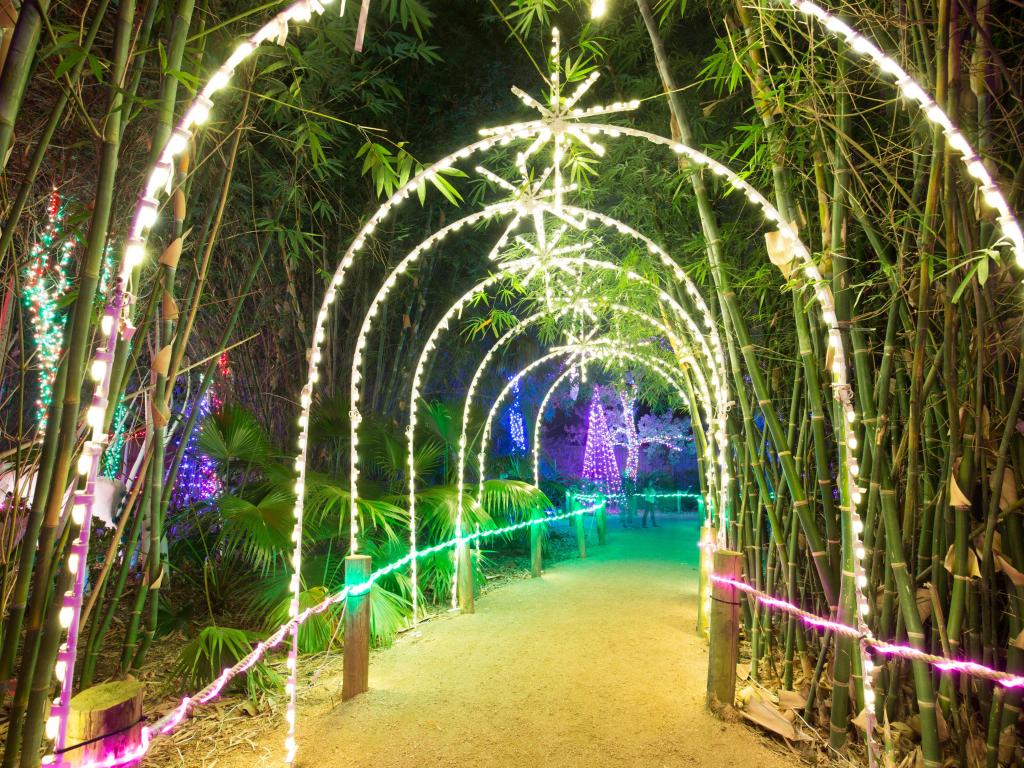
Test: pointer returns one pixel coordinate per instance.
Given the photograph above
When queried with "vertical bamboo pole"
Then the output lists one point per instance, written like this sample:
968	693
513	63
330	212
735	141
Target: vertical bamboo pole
707	538
357	629
725	630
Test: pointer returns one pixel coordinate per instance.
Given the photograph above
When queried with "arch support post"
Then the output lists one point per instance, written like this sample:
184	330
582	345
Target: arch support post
465	580
357	629
581	532
601	523
706	545
536	546
725	632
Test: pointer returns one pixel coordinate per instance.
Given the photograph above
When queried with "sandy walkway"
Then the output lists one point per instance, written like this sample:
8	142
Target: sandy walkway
596	664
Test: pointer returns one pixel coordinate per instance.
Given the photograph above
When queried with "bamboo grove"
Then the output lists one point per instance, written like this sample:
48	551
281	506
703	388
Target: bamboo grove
314	135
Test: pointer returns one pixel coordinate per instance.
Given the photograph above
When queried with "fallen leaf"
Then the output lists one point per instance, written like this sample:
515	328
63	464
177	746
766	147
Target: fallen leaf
1007	743
768	717
792	700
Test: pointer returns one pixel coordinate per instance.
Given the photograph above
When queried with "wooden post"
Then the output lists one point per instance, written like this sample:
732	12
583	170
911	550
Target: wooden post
601	516
357	630
725	632
107	718
536	546
581	533
465	585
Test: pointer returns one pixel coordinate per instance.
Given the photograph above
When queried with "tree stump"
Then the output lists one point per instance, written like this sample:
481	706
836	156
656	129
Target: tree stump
106	720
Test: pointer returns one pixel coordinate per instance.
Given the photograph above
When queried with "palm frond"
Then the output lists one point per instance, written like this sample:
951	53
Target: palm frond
511	500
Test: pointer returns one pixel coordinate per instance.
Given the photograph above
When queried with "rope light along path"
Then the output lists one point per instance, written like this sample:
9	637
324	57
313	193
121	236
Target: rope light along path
442	325
973	668
187	705
146	212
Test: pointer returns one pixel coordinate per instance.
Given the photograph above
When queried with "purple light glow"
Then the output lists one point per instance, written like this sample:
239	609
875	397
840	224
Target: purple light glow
599	465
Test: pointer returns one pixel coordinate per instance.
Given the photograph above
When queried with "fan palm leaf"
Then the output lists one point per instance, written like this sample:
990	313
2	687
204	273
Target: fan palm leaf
258	530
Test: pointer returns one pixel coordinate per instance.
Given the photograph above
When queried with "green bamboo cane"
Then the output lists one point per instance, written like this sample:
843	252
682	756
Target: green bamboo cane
46	135
17	69
41	642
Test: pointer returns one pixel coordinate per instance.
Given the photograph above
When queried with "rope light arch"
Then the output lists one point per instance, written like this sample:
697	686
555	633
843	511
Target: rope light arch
442	325
602	349
116	317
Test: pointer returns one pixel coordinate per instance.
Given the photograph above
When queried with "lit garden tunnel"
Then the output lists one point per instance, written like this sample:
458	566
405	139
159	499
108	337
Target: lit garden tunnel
553	128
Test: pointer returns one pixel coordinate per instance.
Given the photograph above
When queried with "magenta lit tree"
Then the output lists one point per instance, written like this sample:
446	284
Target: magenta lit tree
599	465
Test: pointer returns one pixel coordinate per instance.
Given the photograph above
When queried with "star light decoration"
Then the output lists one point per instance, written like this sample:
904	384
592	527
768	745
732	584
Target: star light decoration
558	120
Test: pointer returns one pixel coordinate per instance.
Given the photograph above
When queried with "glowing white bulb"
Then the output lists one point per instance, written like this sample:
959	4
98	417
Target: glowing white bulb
65	616
135	252
219	80
178	142
147	213
98	370
94	416
52	725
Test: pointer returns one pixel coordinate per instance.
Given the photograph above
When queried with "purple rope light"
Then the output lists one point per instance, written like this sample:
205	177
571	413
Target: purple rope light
973	668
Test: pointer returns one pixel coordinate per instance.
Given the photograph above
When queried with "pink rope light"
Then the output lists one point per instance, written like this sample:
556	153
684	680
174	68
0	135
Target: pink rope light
973	668
188	704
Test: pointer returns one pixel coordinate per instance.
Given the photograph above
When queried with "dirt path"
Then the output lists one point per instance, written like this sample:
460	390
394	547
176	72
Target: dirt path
596	664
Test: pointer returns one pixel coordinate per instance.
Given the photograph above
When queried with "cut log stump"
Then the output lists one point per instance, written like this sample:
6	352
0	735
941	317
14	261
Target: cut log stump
105	720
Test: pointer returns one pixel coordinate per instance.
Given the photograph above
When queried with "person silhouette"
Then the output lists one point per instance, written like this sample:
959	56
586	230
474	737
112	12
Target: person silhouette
649	506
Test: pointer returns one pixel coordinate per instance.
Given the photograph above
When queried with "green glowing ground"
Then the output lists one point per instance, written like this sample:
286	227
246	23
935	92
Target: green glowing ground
596	664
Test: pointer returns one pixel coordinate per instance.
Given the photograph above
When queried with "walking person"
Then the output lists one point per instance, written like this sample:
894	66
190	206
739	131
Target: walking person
649	506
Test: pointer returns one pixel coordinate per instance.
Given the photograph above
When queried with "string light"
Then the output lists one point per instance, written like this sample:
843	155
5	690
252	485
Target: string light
599	465
516	424
46	281
197	479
